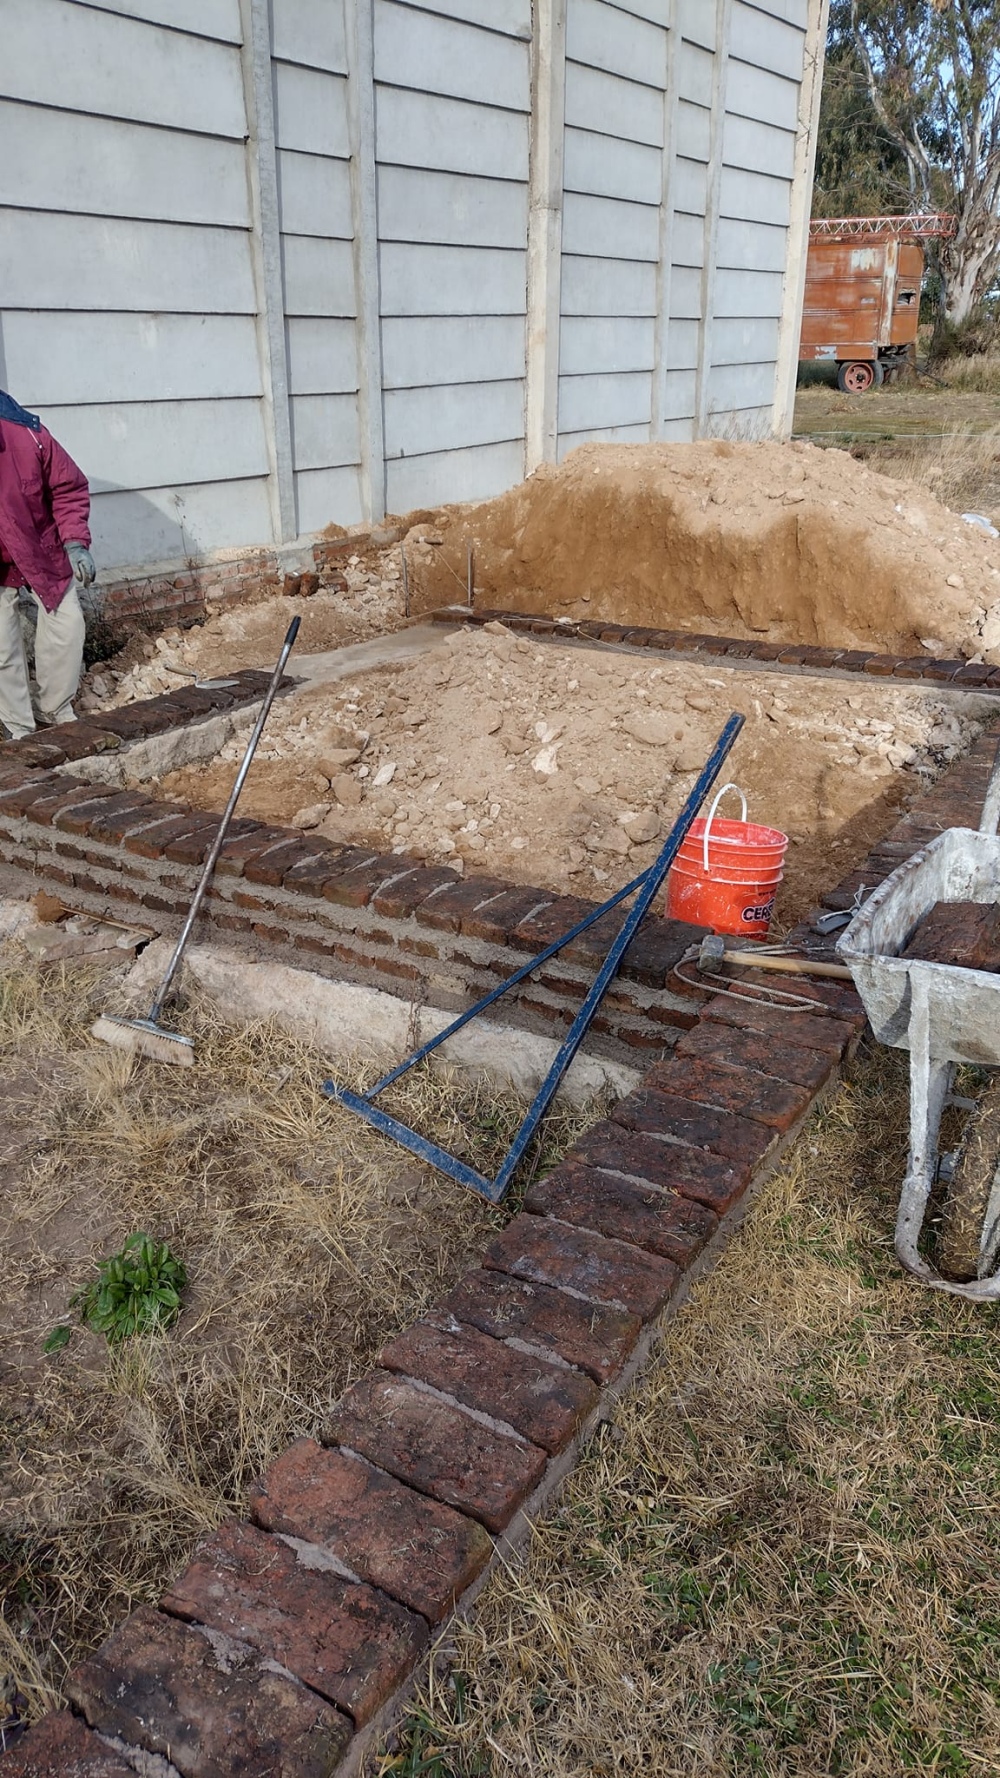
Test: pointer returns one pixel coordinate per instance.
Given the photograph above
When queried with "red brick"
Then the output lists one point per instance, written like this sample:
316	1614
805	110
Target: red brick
817	1031
42	808
39	754
666	1115
235	852
415	1549
495	920
662	1222
715	1180
543	1402
764	1052
756	1096
549	923
603	1271
160	1686
113	824
152	841
347	1641
401	898
447	908
271	866
596	1339
102	802
60	1746
311	875
880	665
357	887
436	1448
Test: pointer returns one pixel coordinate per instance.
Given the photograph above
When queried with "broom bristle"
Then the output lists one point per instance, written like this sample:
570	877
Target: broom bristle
145	1038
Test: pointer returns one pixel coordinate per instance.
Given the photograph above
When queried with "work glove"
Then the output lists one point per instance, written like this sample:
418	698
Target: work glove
82	563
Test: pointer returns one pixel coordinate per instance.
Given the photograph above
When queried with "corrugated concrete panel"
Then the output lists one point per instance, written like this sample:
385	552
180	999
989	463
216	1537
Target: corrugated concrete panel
319	276
453	475
688	188
680	394
754	197
422	350
685	293
688	239
450	209
440	55
204	18
761	39
314	195
682	344
511	17
610	228
450	135
695	71
70	359
760	147
151	444
694	131
108	167
602	167
310	32
748	293
612	106
325	431
601	36
656	11
110	65
568	441
618	343
696	21
322	356
327	497
745	341
593	402
116	264
171	523
310	110
607	287
737	386
419	280
452	416
751	246
753	92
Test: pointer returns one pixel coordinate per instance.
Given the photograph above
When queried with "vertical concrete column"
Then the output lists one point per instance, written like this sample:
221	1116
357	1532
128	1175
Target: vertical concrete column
360	22
265	248
723	17
661	338
790	325
545	214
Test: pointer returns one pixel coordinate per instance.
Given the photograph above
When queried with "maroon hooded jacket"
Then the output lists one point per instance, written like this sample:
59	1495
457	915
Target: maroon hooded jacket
44	504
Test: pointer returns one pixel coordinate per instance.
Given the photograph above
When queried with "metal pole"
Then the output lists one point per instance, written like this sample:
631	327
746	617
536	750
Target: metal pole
219	841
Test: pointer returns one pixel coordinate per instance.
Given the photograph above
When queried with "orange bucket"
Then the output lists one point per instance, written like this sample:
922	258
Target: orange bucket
726	873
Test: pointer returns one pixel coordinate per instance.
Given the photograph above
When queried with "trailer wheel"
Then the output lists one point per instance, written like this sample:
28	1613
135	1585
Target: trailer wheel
970	1221
857	375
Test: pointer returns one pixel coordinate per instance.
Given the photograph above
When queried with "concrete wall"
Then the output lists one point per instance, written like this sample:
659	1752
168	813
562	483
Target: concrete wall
268	265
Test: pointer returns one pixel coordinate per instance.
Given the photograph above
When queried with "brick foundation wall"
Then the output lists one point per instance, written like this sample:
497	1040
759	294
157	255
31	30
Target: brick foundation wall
290	1639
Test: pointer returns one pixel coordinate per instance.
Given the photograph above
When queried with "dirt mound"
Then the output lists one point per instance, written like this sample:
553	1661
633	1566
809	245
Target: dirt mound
787	541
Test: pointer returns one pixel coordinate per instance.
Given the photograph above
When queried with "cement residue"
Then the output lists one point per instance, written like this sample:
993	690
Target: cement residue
784	541
563	766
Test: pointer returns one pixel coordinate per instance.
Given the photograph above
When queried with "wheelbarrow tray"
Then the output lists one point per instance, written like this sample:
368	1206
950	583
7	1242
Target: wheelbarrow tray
963	1004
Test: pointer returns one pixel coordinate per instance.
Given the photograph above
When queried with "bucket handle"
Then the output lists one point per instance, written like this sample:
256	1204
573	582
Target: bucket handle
711	817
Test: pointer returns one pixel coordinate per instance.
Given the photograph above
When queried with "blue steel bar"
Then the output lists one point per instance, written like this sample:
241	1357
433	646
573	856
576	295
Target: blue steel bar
651	881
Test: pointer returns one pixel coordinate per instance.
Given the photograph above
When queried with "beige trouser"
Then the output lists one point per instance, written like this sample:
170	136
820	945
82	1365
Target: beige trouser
58	661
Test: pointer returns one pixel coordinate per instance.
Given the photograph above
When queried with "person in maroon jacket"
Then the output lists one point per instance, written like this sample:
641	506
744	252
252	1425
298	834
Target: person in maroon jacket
44	550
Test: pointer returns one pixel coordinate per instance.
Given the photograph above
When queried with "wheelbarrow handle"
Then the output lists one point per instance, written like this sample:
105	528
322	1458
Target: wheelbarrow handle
990	818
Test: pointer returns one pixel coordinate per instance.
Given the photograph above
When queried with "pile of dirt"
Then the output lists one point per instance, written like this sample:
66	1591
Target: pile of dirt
563	766
787	541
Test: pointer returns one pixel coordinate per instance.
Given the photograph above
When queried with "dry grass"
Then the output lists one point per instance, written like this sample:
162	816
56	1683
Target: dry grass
780	1558
961	469
308	1241
977	375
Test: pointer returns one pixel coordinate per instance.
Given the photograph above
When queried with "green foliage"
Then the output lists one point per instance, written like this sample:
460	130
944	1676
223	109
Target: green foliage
136	1291
860	171
57	1339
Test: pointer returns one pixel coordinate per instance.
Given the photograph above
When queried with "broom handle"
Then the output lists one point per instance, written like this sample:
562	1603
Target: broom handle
220	838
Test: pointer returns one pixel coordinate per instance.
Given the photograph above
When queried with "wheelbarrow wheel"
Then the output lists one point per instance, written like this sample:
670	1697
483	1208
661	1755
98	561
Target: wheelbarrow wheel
970	1222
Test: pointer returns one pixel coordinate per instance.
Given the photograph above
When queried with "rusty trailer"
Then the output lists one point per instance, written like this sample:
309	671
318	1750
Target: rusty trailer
862	295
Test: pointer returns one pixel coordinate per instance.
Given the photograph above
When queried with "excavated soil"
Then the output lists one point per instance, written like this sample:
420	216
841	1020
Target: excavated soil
562	766
786	541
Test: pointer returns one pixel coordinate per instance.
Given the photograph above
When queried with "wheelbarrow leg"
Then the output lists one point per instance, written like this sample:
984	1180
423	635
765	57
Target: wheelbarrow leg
930	1084
930	1087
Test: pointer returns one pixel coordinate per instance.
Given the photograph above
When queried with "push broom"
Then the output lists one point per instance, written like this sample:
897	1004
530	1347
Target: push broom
147	1037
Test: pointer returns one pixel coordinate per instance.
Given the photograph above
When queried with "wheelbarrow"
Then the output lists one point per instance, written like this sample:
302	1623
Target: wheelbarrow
943	1015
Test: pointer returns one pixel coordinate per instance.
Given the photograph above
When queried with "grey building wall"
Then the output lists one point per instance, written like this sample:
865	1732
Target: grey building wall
271	263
